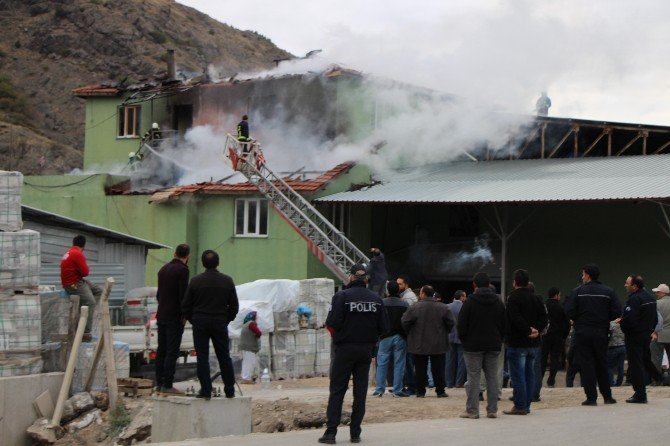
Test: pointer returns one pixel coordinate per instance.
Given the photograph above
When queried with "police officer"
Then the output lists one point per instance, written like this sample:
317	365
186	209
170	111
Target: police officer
358	320
638	323
592	306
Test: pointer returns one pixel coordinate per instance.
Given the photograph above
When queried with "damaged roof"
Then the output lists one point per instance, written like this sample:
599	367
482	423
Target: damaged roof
216	188
624	178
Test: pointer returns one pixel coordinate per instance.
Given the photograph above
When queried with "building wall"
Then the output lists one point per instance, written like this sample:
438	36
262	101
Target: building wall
102	147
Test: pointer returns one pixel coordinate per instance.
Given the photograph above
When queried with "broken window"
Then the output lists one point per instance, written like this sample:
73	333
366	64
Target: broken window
251	217
129	121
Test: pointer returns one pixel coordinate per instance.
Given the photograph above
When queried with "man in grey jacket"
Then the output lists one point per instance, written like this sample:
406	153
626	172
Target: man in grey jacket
662	336
427	324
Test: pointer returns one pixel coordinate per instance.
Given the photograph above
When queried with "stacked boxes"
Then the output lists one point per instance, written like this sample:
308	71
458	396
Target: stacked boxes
317	295
11	186
85	360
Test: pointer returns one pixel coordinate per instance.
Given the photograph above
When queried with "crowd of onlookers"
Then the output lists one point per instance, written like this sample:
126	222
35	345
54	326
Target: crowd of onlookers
482	341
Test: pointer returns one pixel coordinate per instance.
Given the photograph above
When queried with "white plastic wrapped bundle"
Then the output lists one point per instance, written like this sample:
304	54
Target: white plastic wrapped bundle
20	364
85	359
19	259
283	342
305	353
20	322
11	186
283	365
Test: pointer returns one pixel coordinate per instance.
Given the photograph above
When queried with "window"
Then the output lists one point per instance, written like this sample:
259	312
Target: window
251	217
339	216
129	121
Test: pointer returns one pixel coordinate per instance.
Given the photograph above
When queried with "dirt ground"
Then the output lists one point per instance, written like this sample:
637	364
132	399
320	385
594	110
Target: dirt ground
276	410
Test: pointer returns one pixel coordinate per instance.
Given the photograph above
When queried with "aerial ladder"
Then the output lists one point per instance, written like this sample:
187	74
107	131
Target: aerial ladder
326	242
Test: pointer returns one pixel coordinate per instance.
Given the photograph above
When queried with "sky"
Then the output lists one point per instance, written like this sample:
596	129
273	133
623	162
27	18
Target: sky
606	60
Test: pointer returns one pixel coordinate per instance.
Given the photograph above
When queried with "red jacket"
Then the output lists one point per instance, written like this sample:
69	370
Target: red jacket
73	267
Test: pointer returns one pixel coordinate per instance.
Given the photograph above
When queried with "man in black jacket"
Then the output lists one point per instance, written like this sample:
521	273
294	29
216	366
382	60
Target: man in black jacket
358	319
427	324
481	328
210	304
637	323
526	317
172	283
392	343
592	306
553	342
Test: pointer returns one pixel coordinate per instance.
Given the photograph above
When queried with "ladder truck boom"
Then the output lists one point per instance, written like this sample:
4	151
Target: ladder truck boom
326	242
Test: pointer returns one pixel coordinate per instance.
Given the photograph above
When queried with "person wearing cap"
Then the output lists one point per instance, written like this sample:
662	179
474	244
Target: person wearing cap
250	345
358	320
662	343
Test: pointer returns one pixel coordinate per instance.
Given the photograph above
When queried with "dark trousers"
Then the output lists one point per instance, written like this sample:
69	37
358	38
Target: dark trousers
436	367
205	329
552	346
616	356
169	341
350	361
639	360
590	350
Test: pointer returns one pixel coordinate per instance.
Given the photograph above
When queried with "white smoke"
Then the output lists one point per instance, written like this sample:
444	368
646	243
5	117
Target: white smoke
476	258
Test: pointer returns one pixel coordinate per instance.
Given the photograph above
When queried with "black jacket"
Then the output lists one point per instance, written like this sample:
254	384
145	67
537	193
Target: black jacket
211	295
592	305
481	322
640	315
427	324
376	270
357	316
172	284
524	310
559	324
243	131
395	307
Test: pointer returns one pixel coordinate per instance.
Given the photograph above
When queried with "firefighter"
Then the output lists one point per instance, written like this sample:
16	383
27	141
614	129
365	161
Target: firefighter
243	134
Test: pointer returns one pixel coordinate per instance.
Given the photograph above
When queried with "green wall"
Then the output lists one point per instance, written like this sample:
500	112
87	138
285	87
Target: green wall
102	147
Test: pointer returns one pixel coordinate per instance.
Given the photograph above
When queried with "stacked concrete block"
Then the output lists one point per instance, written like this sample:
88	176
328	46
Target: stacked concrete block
305	353
19	260
85	360
317	295
323	352
20	333
11	186
286	320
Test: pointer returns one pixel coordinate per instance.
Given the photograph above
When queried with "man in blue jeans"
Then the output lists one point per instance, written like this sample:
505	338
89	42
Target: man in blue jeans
392	342
525	317
210	304
455	370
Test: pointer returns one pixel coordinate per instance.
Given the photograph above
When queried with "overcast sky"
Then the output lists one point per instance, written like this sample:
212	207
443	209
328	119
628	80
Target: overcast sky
603	59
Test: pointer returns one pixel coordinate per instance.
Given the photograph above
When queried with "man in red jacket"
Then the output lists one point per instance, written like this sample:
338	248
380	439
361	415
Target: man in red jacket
73	269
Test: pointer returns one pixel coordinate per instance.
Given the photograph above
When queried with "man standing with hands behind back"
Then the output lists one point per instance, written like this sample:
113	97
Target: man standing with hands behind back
172	284
210	305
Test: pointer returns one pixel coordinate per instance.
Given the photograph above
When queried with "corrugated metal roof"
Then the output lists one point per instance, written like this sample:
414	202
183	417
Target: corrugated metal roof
49	218
583	179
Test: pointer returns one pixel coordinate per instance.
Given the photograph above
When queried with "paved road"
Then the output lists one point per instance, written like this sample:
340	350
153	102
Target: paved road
621	424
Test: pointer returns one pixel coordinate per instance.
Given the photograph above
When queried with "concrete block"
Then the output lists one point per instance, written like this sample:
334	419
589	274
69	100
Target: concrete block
182	418
17	413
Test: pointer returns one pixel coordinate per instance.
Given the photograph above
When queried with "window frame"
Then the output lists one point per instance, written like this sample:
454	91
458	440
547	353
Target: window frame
122	113
245	222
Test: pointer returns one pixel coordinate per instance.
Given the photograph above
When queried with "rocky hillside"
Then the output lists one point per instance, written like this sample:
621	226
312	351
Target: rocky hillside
49	47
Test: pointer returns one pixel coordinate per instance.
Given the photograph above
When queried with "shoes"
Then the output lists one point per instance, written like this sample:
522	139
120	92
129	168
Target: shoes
328	438
399	395
420	395
589	403
636	400
536	400
229	396
491	415
515	411
551	383
378	394
610	400
472	416
171	391
409	392
481	396
442	395
205	397
356	439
